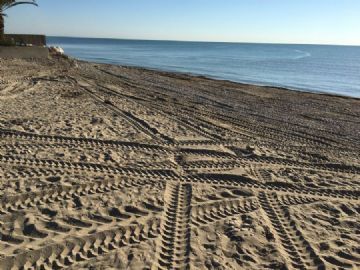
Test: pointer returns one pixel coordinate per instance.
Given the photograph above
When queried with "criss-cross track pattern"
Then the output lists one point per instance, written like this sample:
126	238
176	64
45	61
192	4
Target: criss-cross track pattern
105	166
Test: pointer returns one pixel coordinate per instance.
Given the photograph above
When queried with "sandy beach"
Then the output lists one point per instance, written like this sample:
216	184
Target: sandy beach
109	167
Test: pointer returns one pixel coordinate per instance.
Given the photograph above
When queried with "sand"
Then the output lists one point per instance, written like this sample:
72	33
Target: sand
106	167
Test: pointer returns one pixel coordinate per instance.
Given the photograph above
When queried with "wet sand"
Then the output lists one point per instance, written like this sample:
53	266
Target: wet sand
108	167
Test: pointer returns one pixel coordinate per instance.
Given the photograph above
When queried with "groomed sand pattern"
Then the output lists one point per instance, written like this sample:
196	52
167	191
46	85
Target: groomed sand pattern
107	167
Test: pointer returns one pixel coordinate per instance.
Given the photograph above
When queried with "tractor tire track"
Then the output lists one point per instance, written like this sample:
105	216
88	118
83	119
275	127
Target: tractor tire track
299	250
139	124
266	161
228	180
9	204
208	213
77	141
76	250
93	167
174	243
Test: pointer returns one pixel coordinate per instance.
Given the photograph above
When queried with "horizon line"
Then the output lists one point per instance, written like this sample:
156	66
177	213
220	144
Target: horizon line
207	41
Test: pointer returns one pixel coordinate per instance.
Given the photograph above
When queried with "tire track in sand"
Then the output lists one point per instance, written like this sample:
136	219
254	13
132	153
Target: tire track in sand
93	167
173	246
299	251
76	250
9	204
79	141
138	124
208	213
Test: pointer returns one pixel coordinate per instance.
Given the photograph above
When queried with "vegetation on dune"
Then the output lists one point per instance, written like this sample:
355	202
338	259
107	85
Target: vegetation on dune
5	5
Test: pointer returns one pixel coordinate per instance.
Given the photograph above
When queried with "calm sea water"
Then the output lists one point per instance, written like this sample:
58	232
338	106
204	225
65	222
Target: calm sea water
316	68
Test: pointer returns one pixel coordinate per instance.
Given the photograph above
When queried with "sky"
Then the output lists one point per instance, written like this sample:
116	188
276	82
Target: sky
265	21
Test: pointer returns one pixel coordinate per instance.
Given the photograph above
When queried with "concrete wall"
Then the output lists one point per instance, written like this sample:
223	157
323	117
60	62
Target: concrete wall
37	40
24	52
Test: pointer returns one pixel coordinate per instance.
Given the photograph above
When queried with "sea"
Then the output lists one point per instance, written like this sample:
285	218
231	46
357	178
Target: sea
311	68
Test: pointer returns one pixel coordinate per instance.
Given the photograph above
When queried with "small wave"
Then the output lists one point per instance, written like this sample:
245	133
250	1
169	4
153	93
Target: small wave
302	54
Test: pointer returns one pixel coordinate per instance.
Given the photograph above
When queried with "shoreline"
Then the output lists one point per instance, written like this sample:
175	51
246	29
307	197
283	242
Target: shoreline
209	77
301	90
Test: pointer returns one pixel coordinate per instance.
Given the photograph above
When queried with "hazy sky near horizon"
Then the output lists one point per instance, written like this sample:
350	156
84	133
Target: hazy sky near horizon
272	21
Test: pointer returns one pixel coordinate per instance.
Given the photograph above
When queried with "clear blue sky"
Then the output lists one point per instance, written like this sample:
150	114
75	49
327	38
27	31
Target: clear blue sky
277	21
